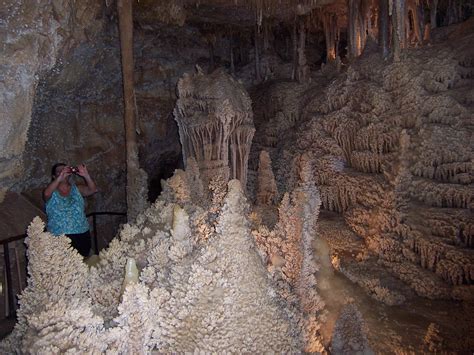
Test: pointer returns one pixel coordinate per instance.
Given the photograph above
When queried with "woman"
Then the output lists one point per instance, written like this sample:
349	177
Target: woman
65	205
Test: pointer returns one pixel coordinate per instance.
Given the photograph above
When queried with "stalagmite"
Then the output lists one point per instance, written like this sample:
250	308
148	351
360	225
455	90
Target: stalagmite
131	275
267	189
433	341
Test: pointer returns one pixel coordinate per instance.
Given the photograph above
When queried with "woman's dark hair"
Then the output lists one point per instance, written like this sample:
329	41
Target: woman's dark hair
53	169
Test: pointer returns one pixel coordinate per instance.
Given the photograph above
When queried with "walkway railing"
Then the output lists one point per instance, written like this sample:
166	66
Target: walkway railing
7	287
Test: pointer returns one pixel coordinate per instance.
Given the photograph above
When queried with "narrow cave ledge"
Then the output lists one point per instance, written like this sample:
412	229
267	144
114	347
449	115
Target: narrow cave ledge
301	174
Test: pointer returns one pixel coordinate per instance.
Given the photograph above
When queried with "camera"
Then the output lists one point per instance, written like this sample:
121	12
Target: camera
74	170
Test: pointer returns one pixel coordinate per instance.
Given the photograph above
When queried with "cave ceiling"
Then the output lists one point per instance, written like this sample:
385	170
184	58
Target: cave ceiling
226	15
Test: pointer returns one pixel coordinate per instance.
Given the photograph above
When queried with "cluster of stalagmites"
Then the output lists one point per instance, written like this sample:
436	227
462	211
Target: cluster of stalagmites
201	287
391	154
209	278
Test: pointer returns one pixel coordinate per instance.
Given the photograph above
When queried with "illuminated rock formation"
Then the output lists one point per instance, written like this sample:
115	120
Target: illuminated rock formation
267	190
389	152
215	122
194	293
288	250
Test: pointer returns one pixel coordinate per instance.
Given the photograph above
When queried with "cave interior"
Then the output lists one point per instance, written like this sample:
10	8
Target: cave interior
298	175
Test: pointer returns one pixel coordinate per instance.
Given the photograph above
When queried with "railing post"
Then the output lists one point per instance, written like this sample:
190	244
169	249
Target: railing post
11	301
96	240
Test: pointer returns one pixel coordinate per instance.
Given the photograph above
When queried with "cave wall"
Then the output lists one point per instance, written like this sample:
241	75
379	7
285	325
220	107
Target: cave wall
74	109
33	38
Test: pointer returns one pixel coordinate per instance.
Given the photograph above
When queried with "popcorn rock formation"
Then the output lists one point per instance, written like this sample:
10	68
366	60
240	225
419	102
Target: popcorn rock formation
215	122
202	287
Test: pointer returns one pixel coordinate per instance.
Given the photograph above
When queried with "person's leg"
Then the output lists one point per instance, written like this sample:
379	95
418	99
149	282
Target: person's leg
81	242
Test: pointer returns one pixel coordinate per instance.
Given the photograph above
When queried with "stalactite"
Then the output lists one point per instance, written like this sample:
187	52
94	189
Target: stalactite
231	55
241	50
266	36
258	74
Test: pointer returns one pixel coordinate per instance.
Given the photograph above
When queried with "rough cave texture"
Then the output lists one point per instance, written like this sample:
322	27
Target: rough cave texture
349	125
202	286
392	152
34	38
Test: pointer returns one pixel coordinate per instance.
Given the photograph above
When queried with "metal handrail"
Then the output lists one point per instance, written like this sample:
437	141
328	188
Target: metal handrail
94	225
6	256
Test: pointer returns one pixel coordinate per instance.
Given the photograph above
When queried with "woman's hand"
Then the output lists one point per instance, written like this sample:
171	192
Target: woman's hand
64	174
90	188
82	171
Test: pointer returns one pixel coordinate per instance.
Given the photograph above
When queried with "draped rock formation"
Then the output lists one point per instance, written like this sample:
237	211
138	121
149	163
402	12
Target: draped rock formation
215	122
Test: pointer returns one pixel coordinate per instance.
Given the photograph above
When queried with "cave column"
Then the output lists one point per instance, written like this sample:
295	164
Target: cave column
383	27
396	30
330	31
433	10
354	28
420	13
135	188
403	23
414	9
302	72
